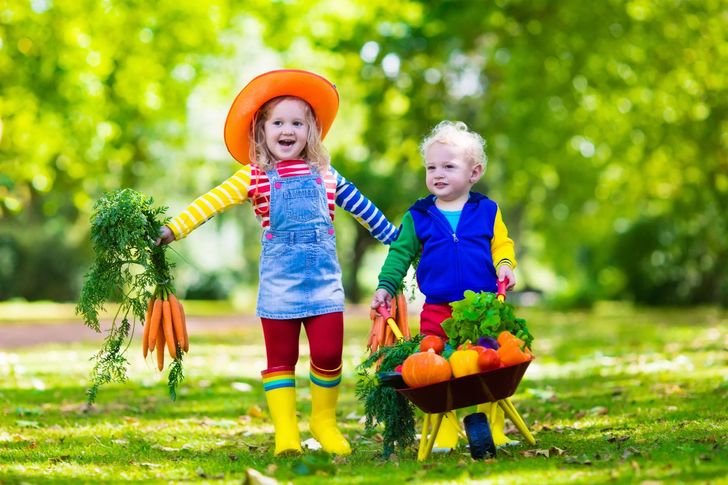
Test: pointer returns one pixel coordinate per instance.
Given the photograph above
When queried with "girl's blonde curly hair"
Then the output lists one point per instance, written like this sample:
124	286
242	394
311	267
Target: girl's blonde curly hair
456	133
314	152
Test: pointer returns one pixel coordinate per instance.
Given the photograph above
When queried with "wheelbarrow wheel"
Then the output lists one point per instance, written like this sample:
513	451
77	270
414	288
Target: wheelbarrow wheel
479	436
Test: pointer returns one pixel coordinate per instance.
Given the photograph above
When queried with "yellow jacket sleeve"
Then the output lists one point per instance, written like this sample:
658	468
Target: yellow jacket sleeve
232	191
502	248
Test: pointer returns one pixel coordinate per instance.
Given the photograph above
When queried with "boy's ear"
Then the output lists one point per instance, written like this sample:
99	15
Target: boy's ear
476	173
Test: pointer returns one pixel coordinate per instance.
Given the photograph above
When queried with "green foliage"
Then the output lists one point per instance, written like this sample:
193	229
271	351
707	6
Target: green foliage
483	315
618	123
127	267
383	404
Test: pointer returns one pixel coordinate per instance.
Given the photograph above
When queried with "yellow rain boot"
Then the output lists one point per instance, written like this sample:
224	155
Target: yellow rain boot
447	436
280	392
497	421
324	395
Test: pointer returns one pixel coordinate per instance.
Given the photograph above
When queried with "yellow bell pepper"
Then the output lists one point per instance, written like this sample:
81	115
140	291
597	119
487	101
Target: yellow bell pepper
464	362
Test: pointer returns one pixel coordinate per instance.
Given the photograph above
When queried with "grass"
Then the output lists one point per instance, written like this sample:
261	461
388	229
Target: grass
616	395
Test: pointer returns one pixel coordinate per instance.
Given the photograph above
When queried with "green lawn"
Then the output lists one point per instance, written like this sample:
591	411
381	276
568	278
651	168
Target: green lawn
616	395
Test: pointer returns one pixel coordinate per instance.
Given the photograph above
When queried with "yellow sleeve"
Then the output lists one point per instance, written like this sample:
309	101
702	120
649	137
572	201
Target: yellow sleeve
501	247
231	192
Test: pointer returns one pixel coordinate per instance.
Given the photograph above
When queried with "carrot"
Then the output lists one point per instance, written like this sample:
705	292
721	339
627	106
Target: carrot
186	337
168	330
155	323
160	351
402	317
179	334
147	324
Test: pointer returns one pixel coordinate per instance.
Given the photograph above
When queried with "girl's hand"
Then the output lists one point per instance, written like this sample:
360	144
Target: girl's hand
382	297
166	236
505	271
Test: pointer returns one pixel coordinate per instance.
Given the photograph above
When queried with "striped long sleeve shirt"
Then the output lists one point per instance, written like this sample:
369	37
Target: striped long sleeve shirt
251	184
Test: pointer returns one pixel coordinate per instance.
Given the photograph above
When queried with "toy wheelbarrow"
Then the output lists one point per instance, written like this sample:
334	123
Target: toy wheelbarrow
436	400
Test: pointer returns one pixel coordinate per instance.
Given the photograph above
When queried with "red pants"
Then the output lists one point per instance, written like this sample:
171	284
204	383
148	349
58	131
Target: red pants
325	340
432	316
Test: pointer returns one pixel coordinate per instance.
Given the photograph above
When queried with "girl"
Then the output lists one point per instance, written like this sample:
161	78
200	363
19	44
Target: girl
275	128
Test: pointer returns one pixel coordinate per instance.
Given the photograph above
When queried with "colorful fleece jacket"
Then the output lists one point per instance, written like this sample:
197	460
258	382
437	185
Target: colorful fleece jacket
450	262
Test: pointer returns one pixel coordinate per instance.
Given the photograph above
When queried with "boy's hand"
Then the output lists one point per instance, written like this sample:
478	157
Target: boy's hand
505	271
166	236
382	297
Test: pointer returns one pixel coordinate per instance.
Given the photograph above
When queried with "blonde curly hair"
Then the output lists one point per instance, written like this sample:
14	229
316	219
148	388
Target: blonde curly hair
456	133
314	152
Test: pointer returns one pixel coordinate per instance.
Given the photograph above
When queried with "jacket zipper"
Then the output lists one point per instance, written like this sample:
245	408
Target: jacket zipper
437	215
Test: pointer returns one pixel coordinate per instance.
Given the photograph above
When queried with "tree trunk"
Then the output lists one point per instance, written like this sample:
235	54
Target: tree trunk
362	242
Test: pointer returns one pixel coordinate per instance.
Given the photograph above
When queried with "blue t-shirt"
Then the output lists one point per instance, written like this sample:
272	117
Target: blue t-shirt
452	217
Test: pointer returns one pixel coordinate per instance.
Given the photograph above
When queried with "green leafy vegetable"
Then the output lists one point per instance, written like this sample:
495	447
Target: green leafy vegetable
483	315
127	267
383	404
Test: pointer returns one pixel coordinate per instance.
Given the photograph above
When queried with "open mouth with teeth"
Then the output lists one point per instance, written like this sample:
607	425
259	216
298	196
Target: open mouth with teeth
286	143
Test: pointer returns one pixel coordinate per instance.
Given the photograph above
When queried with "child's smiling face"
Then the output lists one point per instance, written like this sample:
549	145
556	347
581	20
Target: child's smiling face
286	129
449	174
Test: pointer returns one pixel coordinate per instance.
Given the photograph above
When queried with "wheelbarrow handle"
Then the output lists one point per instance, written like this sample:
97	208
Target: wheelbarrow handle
502	285
384	312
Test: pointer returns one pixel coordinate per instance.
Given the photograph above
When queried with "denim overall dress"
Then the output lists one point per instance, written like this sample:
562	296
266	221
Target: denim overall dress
300	275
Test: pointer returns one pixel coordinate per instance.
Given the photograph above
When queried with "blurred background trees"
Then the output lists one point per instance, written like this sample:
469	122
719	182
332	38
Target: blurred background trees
605	121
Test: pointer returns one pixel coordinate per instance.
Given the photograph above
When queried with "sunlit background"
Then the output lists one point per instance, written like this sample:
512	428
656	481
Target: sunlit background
605	122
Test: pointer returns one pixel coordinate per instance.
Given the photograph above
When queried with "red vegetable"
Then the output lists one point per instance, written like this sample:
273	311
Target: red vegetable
432	342
488	360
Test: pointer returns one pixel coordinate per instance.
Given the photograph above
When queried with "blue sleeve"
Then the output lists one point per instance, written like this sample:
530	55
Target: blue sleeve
364	211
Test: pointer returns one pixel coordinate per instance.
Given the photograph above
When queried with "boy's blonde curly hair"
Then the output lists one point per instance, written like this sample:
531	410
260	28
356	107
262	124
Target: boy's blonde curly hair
456	133
314	152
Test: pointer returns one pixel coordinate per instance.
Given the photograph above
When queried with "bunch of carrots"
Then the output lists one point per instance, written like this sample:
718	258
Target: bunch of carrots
165	324
381	334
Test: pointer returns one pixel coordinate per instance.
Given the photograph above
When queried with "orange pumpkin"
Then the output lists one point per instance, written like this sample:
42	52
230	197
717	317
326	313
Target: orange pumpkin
424	368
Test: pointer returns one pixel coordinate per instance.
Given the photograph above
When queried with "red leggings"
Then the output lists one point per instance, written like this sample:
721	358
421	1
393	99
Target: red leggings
325	340
431	318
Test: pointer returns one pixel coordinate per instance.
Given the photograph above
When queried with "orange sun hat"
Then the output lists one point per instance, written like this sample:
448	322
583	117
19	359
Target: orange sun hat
318	92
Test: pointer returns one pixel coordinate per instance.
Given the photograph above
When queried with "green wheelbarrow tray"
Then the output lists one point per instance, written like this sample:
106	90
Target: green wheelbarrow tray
460	392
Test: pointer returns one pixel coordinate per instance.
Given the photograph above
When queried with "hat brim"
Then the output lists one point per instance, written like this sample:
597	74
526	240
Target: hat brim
318	92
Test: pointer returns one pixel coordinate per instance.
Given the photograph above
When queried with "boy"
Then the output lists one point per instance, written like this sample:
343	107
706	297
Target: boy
460	236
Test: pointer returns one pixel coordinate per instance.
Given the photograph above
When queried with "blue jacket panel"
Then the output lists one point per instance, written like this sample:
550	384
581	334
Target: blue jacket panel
452	262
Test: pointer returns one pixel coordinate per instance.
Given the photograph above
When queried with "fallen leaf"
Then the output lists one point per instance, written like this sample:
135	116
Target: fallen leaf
531	453
58	459
312	444
21	423
201	473
242	386
164	448
617	439
630	451
598	411
27	412
254	477
255	411
578	460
